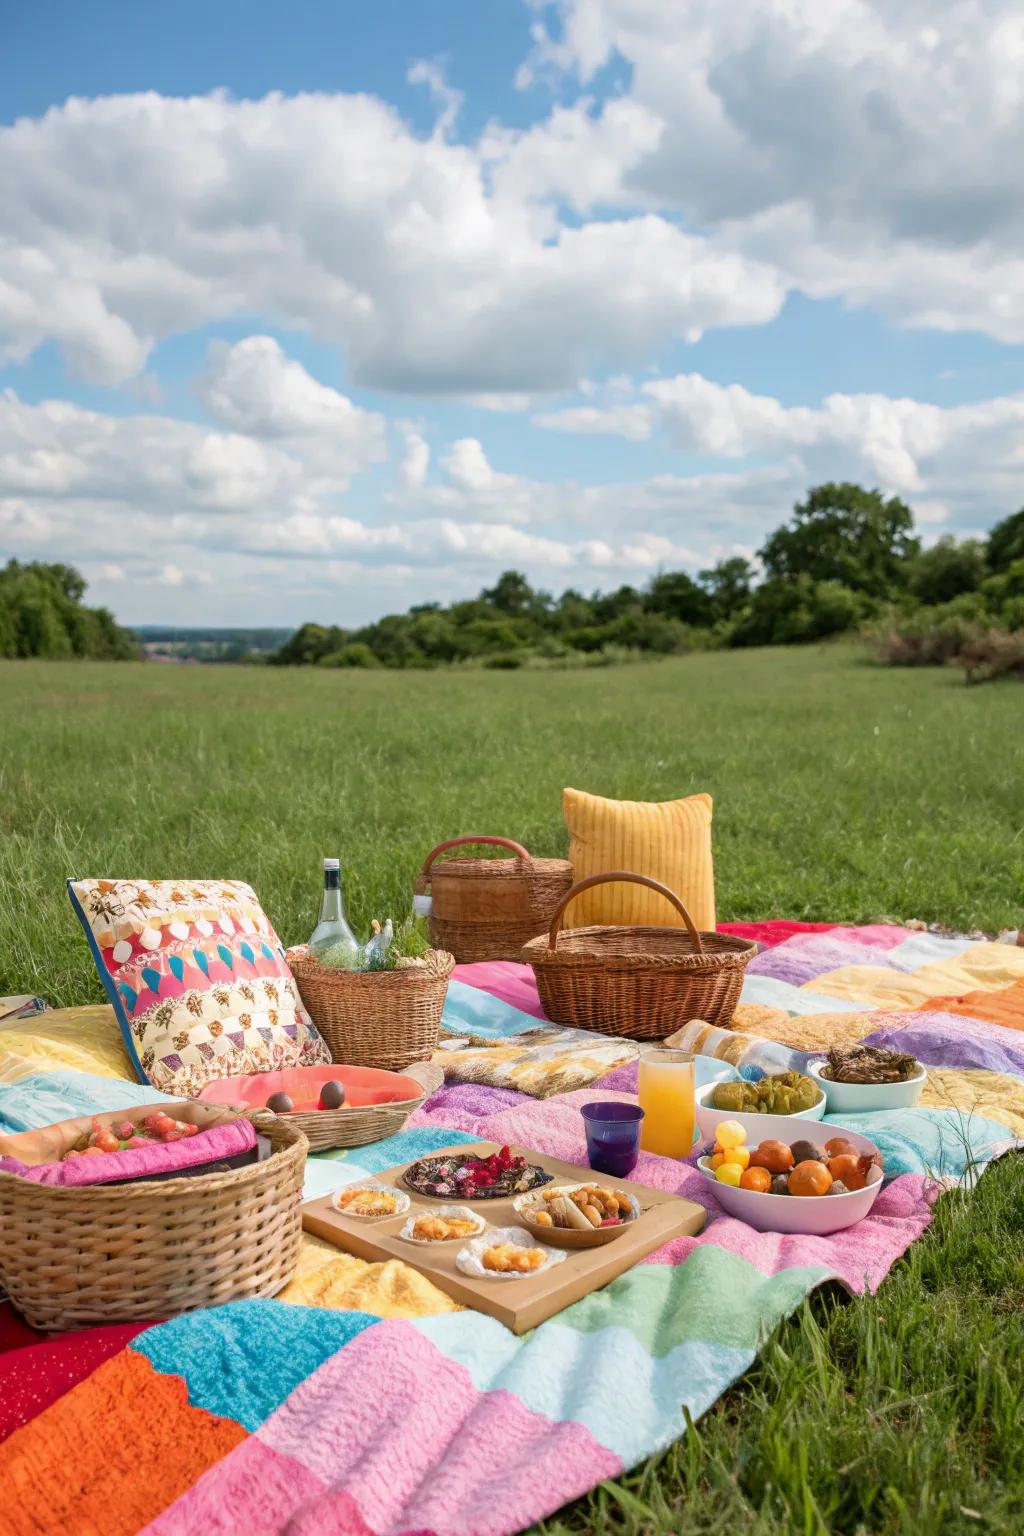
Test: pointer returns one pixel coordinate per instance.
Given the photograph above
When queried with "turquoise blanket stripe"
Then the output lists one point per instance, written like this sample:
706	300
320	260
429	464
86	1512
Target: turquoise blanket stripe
941	1143
469	1011
215	1351
43	1098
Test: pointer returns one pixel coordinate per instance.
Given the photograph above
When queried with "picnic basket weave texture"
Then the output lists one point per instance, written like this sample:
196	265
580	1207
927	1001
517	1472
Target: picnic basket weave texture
115	1253
637	982
386	1019
486	909
357	1126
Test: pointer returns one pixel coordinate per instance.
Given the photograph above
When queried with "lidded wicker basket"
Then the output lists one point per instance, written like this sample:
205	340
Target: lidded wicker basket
486	909
386	1019
75	1256
641	983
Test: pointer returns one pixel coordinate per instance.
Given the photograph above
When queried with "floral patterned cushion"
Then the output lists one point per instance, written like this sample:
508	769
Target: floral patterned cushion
198	980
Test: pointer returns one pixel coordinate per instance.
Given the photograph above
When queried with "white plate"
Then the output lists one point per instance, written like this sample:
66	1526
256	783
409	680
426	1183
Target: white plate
470	1258
446	1213
855	1098
815	1215
757	1126
402	1200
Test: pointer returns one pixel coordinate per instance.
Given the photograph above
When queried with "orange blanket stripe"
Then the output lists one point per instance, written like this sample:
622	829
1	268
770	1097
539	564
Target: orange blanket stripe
109	1455
1005	1007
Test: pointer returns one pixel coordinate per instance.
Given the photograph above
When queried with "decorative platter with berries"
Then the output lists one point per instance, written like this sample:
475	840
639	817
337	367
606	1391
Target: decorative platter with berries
474	1178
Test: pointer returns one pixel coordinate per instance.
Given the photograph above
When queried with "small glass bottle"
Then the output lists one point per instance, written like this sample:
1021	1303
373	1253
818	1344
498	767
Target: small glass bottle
332	933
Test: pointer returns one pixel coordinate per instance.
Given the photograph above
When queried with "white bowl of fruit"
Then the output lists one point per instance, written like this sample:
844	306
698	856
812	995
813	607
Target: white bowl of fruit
815	1183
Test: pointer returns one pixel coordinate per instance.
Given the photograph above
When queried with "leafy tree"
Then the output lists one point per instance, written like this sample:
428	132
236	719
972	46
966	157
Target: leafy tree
511	594
573	610
1006	542
1003	596
677	596
42	615
309	644
845	534
791	610
939	574
728	585
356	654
616	604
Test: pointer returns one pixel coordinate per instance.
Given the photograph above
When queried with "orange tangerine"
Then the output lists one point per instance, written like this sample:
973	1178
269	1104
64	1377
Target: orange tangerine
844	1166
810	1178
758	1179
773	1155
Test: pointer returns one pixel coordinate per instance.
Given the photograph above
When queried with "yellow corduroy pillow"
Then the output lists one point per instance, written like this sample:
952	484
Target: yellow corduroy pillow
669	840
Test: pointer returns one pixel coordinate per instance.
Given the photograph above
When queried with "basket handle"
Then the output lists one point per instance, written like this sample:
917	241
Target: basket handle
458	842
624	874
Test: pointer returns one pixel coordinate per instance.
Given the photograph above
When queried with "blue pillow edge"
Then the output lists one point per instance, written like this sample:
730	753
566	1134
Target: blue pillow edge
113	995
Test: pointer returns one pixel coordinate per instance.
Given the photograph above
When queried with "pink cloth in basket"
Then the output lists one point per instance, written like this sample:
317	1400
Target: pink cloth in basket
219	1142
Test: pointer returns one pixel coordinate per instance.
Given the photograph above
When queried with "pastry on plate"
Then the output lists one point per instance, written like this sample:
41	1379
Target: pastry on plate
511	1259
361	1201
441	1229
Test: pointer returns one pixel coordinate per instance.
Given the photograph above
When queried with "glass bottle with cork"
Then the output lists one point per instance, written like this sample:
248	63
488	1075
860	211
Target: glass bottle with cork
332	937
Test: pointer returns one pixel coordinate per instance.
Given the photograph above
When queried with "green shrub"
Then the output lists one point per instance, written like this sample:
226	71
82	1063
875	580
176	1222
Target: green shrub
949	568
788	610
354	655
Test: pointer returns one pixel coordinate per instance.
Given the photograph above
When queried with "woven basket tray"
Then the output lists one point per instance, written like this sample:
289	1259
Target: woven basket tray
356	1127
641	983
384	1019
486	909
73	1257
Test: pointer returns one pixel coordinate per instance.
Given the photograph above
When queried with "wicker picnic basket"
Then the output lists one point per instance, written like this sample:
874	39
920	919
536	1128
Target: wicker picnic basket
486	909
116	1253
641	983
358	1125
386	1019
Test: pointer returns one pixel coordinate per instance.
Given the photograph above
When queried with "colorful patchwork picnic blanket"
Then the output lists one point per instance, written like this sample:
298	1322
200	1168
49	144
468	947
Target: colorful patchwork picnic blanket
363	1400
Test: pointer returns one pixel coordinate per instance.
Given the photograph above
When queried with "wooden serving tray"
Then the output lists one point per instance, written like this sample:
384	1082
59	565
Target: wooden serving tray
519	1304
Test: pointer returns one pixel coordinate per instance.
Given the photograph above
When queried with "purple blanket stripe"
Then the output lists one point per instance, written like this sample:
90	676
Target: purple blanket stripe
951	1040
806	957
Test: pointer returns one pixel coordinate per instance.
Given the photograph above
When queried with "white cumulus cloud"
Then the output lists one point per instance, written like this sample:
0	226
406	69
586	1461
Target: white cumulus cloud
859	148
128	218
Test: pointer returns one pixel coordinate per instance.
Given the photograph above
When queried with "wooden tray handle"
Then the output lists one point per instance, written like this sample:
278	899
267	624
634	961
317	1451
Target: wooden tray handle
459	842
624	874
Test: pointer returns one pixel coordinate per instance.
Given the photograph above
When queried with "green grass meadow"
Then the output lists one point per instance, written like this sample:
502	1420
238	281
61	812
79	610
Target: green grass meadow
842	792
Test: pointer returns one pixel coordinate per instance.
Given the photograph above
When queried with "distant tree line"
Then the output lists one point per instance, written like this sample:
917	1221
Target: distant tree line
42	614
849	557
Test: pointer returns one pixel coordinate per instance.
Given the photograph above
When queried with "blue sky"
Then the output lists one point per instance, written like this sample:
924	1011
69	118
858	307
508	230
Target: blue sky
590	289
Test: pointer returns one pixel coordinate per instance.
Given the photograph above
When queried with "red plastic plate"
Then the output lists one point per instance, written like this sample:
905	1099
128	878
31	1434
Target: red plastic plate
363	1086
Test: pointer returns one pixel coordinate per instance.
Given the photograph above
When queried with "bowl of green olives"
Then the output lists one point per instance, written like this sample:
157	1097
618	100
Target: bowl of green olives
780	1093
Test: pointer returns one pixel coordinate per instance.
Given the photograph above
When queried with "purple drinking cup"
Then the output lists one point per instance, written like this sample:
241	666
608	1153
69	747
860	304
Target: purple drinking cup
613	1136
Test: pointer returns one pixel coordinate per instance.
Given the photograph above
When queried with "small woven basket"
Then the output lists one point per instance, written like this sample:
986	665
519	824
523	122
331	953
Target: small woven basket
486	909
641	983
357	1126
384	1019
74	1257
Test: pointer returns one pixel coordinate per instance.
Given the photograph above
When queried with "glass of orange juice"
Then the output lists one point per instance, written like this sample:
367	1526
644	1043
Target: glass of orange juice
665	1091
